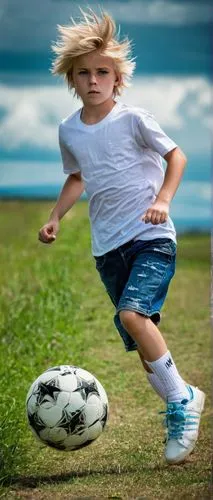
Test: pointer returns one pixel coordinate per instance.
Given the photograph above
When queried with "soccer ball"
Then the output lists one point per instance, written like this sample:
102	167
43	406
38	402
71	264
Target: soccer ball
67	407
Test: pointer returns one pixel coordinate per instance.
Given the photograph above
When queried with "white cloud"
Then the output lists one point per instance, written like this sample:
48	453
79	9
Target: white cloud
161	95
32	114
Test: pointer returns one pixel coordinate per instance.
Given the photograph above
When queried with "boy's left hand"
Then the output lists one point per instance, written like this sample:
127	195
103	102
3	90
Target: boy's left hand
157	213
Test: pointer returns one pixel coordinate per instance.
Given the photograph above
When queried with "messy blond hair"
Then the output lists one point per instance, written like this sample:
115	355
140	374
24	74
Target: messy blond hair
92	33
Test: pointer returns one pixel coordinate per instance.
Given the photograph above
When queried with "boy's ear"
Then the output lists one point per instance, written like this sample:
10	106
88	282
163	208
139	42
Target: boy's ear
117	79
70	79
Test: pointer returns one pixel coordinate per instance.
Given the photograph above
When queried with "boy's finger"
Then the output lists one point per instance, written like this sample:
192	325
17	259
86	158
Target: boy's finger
144	216
147	216
156	218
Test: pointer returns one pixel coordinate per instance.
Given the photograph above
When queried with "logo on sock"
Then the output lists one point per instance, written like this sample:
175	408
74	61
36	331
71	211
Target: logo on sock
168	363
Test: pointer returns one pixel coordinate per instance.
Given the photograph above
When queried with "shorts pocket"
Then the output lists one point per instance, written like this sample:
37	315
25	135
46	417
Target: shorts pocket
165	247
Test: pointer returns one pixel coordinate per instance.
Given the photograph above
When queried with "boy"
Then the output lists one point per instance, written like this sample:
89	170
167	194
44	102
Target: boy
114	151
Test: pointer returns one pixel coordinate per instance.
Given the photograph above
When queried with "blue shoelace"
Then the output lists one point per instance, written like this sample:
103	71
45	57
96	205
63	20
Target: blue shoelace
177	420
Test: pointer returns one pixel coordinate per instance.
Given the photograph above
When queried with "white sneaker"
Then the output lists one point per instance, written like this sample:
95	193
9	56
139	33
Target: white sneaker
182	420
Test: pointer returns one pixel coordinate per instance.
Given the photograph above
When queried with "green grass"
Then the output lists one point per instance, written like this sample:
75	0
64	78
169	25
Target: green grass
54	310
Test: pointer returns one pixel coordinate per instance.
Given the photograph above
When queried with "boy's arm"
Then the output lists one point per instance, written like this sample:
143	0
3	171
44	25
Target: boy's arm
158	212
70	193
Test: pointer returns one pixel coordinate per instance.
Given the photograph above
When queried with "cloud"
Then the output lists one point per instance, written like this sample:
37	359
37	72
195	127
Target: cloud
28	25
31	115
165	95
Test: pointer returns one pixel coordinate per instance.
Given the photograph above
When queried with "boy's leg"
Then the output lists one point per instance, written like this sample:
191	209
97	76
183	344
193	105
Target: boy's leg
152	267
153	379
185	403
138	308
114	272
130	345
154	351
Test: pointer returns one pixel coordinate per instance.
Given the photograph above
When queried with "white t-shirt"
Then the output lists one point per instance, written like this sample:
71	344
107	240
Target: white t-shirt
120	163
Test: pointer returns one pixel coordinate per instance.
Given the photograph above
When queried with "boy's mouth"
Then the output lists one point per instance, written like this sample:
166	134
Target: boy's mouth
93	92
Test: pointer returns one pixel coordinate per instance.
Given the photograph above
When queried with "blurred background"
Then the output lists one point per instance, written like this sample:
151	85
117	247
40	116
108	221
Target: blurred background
172	79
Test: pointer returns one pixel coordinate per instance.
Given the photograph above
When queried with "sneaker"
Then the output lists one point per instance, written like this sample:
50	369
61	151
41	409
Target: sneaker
182	421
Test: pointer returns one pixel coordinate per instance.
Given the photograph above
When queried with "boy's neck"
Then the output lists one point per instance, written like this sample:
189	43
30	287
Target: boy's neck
94	114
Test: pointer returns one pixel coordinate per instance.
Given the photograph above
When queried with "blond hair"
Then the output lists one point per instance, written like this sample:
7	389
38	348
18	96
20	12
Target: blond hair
92	33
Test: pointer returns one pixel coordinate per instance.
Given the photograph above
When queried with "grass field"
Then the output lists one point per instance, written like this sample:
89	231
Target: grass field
54	310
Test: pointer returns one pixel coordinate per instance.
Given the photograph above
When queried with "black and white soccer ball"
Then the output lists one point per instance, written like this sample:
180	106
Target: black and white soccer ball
67	407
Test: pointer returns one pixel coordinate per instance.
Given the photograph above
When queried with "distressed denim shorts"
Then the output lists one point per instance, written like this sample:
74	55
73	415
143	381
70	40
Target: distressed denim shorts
136	277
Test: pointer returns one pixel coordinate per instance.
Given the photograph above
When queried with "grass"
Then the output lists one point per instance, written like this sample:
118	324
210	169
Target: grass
54	310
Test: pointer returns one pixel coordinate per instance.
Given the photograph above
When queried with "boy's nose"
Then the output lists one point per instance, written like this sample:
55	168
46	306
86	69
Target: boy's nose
92	79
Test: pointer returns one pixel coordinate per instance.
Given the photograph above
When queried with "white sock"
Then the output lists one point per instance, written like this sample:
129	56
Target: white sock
174	385
157	385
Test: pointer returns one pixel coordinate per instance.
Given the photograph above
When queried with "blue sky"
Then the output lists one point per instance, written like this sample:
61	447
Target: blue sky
172	79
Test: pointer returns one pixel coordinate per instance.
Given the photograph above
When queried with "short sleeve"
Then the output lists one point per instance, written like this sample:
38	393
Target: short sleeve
150	135
70	165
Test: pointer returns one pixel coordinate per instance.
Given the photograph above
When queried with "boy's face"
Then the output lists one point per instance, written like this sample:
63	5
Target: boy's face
94	78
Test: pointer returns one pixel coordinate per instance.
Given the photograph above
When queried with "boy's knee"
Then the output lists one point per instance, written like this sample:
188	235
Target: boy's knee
128	318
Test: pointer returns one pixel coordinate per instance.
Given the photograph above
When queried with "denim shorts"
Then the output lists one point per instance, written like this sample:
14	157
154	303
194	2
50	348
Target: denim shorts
136	277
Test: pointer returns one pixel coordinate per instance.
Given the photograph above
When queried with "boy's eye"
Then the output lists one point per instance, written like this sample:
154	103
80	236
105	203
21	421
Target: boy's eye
85	72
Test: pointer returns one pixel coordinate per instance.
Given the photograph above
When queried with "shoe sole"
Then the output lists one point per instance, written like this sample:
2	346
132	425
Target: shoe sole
201	404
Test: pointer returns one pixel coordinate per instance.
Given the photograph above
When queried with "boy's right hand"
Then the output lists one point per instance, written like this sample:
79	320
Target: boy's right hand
48	232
